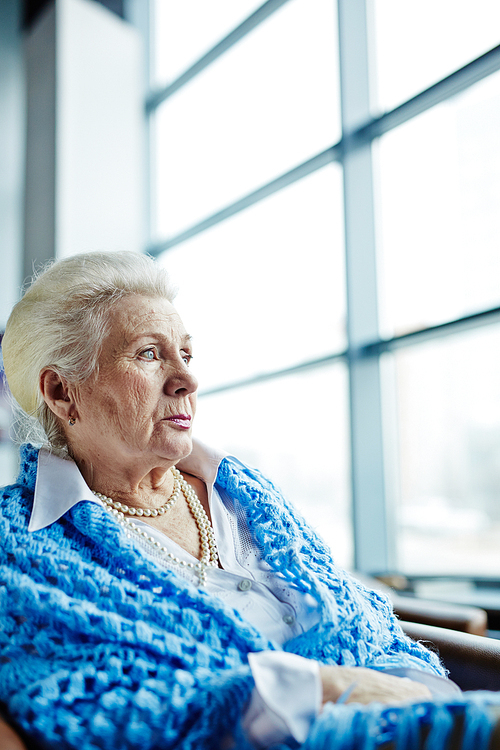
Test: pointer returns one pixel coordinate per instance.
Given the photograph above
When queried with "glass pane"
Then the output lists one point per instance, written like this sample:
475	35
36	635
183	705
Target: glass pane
265	289
417	44
266	105
184	30
440	223
449	445
295	431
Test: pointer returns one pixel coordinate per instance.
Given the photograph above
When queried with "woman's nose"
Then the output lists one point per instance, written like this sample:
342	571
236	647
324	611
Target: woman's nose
181	382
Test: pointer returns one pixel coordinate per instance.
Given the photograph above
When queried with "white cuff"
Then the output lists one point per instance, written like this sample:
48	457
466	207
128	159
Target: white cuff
286	699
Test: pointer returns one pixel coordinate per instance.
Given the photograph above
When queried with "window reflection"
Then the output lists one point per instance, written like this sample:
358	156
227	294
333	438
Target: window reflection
185	31
448	395
439	224
265	289
294	430
417	44
262	108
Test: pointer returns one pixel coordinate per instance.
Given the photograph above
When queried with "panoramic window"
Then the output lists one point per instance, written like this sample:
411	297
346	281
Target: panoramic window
342	285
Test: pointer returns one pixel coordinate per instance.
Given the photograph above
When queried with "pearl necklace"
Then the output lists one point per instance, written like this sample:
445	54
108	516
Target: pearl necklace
153	512
209	554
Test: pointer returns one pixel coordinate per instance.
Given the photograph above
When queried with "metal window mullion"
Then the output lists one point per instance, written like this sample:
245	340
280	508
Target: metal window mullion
374	545
455	83
284	180
236	35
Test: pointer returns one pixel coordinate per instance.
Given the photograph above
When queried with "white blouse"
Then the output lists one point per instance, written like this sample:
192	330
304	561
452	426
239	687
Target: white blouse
287	696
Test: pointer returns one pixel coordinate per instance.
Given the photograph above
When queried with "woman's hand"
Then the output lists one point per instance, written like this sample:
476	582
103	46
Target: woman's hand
9	740
369	686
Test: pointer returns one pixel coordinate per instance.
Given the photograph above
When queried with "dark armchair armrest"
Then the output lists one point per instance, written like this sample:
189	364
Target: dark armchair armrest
473	660
428	611
453	616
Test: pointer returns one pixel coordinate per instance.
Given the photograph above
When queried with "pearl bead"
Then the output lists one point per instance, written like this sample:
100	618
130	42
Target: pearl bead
147	512
209	554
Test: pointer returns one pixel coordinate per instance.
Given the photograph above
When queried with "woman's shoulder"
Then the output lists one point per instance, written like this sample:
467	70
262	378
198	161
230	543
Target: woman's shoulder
23	487
234	472
28	462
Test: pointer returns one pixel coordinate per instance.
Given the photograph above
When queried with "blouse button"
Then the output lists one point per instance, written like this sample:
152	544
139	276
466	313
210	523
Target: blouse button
289	619
245	584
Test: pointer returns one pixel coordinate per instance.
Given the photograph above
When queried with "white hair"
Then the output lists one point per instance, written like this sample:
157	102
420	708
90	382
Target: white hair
61	322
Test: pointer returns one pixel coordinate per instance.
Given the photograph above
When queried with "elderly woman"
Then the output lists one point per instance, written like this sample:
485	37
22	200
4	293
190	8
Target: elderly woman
155	593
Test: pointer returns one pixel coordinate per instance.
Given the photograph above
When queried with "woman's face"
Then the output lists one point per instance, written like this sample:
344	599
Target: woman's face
141	405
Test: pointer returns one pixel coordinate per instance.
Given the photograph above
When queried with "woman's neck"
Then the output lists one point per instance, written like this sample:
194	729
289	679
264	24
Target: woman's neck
136	486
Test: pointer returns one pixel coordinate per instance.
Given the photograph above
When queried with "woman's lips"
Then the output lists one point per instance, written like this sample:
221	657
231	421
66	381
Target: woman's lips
182	420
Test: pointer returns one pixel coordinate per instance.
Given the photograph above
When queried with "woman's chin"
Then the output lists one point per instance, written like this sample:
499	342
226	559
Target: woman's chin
175	450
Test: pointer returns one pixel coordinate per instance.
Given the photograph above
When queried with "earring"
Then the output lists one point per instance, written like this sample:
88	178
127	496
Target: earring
72	421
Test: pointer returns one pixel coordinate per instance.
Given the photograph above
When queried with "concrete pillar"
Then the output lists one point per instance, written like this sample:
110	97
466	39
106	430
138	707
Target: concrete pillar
85	133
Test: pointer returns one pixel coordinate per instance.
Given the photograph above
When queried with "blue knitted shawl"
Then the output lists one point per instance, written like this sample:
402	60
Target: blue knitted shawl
101	647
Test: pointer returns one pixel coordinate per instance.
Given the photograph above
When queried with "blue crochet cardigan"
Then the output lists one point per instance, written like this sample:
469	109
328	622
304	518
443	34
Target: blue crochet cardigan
102	648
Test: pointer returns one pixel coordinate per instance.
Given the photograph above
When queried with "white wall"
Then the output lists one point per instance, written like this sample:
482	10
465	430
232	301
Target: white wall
100	131
97	130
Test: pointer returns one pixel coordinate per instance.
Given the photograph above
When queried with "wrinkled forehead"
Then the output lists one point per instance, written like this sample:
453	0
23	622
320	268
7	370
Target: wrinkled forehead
133	317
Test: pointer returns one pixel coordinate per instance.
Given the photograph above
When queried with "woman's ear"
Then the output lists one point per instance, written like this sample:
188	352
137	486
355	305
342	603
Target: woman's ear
57	395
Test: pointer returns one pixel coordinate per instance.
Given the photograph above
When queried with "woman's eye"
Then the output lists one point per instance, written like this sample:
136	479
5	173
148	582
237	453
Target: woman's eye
149	354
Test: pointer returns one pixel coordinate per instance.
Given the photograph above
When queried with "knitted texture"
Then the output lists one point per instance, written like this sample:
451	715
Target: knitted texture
464	723
102	647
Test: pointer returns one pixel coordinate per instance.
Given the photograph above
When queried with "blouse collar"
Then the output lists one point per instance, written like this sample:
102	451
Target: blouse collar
60	485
